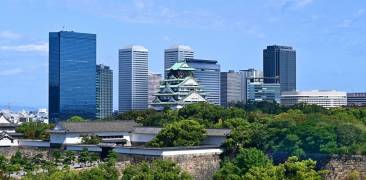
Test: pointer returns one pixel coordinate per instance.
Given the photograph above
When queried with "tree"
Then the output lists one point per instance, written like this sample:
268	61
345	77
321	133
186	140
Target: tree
76	119
292	169
181	133
69	157
57	156
252	157
91	140
84	156
158	169
34	130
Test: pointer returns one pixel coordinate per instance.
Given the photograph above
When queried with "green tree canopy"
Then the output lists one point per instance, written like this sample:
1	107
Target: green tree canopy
76	119
34	130
181	133
158	169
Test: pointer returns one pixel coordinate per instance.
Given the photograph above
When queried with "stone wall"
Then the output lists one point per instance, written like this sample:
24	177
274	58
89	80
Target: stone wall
27	151
200	166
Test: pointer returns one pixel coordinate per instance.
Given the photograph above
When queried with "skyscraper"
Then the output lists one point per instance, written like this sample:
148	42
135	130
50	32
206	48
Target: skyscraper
244	75
72	75
133	78
280	62
154	85
175	54
104	83
230	88
207	73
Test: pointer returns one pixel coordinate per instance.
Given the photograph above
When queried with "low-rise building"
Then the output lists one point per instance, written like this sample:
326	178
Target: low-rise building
327	99
121	133
356	99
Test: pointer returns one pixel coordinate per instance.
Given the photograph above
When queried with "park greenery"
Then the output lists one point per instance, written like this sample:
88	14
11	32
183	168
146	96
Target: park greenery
296	130
158	169
181	133
59	166
253	164
258	129
34	130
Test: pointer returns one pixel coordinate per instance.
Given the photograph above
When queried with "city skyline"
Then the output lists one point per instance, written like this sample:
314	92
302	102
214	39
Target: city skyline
23	53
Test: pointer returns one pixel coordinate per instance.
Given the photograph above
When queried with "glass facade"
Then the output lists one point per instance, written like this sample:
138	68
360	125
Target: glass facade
104	90
72	75
230	88
280	62
207	74
133	79
175	54
257	90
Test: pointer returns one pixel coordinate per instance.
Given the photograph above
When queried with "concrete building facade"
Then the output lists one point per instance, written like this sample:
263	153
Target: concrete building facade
327	99
133	78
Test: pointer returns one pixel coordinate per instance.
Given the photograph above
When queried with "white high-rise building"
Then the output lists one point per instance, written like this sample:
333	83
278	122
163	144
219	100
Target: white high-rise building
176	53
327	99
133	78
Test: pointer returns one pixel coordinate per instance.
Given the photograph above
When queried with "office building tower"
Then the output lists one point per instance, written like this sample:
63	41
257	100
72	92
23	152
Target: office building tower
327	99
104	91
154	86
244	75
356	99
207	73
72	75
257	90
175	54
133	78
280	62
230	88
179	89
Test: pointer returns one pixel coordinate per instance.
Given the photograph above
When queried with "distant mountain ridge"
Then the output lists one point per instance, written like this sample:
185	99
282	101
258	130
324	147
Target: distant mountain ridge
17	108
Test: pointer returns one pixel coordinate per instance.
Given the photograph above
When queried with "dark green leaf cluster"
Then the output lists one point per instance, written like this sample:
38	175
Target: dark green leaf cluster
181	133
91	140
253	164
157	170
34	130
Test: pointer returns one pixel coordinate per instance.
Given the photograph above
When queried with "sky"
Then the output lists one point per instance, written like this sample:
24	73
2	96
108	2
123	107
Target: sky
328	35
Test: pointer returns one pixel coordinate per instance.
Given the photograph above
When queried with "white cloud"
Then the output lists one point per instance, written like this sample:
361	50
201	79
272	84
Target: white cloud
302	3
43	48
291	4
9	72
10	35
347	23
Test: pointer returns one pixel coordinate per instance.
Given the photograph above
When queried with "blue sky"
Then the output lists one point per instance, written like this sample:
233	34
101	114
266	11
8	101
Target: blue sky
329	36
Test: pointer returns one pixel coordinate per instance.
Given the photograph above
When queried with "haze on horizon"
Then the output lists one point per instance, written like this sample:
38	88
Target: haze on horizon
329	37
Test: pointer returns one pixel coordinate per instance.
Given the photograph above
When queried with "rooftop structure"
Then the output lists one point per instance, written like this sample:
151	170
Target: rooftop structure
179	89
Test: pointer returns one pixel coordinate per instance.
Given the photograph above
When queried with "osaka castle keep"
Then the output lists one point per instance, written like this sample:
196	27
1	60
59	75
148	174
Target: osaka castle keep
179	89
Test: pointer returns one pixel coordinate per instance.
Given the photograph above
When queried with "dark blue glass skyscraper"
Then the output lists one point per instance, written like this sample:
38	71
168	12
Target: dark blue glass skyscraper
279	62
72	75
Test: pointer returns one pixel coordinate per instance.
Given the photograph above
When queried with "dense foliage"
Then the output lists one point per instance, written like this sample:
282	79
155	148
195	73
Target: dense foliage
34	130
253	164
158	169
182	133
91	140
76	119
58	167
270	127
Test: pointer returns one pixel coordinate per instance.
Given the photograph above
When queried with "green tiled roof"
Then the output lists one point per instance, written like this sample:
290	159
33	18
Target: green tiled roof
181	66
